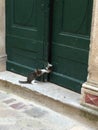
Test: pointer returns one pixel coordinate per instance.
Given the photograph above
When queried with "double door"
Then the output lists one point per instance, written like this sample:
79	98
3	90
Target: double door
57	31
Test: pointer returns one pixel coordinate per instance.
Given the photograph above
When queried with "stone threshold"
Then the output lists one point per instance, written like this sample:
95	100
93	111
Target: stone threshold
48	94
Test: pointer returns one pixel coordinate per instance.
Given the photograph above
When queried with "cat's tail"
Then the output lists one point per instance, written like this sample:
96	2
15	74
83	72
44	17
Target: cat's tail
23	82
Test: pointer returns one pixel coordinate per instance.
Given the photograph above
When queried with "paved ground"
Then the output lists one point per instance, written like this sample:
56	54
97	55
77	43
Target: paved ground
20	114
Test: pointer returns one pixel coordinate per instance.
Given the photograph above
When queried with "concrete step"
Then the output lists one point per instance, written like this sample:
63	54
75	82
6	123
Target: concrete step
50	95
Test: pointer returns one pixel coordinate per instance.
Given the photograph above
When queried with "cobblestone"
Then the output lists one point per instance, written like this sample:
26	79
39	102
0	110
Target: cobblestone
36	112
18	105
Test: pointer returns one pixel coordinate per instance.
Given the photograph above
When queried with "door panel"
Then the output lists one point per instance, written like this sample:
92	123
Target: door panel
70	42
26	42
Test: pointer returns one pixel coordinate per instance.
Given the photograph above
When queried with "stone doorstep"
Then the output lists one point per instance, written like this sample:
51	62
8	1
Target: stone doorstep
43	91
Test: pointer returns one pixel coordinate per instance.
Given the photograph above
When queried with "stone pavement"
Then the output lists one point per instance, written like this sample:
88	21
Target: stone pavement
20	114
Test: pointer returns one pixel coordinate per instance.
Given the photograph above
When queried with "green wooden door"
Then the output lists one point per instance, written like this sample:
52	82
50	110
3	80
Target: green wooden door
26	34
70	42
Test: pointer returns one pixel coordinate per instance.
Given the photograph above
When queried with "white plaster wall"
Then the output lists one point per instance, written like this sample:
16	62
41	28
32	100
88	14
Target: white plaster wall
93	54
2	36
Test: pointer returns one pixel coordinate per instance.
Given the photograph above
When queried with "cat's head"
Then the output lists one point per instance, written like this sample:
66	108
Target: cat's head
49	67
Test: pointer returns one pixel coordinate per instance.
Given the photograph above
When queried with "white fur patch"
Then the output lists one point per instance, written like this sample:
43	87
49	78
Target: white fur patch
34	82
44	71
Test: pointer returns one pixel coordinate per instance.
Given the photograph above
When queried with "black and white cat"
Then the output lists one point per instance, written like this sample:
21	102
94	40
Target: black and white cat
37	73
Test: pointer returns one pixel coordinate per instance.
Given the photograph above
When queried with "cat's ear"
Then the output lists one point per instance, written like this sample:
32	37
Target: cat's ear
49	65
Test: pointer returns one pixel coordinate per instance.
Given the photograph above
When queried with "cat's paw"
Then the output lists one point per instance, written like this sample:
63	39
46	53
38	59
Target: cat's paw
34	82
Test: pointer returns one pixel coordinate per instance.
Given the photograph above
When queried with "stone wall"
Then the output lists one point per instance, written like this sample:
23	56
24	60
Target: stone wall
90	88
